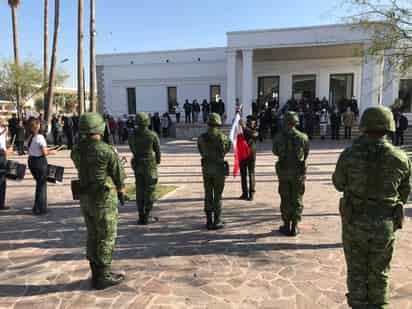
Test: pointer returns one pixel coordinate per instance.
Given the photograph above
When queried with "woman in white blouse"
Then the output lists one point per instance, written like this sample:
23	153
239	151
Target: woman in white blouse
38	152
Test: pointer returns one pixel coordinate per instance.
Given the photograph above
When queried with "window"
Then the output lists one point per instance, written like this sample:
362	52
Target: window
131	100
171	99
340	88
405	94
214	93
304	86
268	89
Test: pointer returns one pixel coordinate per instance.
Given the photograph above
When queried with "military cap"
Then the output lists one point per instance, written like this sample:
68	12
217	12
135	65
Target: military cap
377	119
291	118
214	120
91	123
142	119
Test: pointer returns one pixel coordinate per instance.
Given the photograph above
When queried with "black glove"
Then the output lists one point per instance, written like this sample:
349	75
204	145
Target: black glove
122	198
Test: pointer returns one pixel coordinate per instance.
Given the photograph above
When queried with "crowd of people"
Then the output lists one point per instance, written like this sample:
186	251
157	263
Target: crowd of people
192	110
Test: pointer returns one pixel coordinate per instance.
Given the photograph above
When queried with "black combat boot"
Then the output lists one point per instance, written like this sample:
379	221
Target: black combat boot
218	223
106	279
251	196
140	209
209	220
94	274
243	196
294	230
285	228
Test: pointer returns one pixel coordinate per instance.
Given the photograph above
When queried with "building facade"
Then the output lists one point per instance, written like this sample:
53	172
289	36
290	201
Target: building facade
320	61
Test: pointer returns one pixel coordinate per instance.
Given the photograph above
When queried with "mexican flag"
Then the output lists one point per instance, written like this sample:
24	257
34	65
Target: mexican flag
241	148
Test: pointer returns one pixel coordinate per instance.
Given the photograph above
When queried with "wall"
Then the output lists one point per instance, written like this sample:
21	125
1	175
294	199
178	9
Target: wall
191	71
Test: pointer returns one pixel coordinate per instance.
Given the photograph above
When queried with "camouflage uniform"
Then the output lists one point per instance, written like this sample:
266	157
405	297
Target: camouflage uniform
292	148
374	177
213	146
145	147
101	176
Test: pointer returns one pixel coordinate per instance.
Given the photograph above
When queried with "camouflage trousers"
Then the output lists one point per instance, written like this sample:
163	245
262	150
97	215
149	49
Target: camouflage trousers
101	216
291	190
213	185
368	248
145	191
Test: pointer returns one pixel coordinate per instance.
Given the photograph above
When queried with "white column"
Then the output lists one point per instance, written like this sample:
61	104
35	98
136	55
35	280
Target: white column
390	87
370	83
247	81
230	84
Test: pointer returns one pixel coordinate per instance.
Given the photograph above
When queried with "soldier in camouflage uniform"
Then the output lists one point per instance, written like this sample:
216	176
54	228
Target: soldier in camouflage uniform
145	147
292	148
101	177
374	178
213	146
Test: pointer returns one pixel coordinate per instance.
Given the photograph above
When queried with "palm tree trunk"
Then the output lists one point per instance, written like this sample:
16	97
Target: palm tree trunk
80	57
16	53
46	52
93	83
52	75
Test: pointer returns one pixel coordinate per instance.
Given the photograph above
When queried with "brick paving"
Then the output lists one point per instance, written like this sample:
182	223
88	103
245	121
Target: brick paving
176	263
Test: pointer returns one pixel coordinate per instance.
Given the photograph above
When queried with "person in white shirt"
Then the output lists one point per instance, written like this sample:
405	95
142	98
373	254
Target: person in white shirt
323	123
38	152
4	152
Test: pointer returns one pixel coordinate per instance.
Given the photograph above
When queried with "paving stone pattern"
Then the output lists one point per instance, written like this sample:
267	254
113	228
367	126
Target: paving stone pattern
176	263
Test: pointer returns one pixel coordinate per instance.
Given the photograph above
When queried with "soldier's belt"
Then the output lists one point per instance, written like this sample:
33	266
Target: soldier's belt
371	208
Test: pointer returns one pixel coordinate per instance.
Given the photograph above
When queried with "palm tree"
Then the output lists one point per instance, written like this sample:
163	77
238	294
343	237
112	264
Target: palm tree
13	5
80	57
52	75
93	84
46	51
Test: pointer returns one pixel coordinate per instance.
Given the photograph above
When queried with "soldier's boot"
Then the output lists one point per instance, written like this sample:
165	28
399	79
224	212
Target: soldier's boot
243	196
94	274
148	219
285	228
218	223
209	220
140	209
294	231
106	278
251	196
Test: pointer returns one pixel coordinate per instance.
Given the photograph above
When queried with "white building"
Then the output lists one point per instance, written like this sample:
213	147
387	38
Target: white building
322	60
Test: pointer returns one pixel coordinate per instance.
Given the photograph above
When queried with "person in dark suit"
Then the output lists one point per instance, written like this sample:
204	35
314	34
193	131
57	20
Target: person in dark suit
188	111
402	124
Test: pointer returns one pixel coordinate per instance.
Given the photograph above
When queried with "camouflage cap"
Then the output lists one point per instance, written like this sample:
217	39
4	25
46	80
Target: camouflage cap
91	123
214	120
142	119
377	119
291	118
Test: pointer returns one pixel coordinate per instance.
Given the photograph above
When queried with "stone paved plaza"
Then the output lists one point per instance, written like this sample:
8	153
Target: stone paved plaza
176	263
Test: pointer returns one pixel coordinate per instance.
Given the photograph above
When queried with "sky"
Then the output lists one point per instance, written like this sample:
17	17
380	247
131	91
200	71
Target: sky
148	25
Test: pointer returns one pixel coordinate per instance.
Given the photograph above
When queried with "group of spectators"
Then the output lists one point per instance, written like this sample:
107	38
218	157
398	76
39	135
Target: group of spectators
314	114
119	130
192	110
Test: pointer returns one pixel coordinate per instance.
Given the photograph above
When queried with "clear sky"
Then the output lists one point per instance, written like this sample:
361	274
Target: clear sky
146	25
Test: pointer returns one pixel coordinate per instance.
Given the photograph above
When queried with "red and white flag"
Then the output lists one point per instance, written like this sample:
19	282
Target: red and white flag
241	148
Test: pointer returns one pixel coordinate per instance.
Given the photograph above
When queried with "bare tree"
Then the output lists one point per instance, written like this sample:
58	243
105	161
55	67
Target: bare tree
52	75
93	82
46	50
80	57
14	5
389	24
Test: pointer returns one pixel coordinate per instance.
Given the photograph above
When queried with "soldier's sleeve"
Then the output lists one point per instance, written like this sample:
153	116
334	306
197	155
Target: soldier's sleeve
116	170
306	147
156	148
75	156
339	176
227	144
404	188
